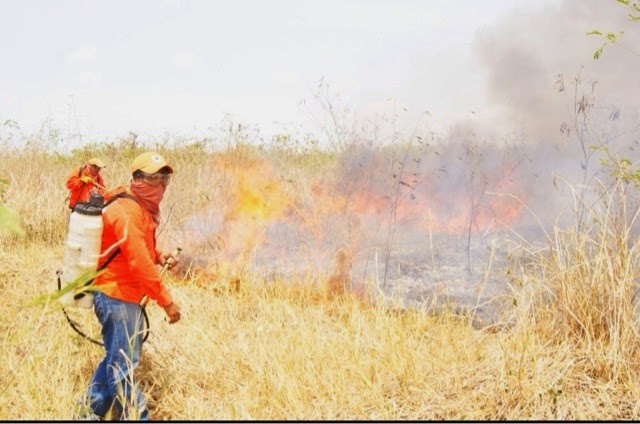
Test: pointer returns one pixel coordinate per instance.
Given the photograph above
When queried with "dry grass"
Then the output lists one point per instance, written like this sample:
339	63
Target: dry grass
289	350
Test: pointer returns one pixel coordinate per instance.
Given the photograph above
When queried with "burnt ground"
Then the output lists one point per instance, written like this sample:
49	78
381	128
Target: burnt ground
467	274
462	275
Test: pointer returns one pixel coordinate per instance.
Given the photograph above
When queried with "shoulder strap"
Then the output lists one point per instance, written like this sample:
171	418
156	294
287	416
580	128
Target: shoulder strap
103	266
121	195
80	171
109	259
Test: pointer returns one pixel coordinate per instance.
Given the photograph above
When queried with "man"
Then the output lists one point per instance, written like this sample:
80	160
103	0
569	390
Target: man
84	181
128	245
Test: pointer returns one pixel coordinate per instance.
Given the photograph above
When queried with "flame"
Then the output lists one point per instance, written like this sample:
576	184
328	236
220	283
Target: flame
256	198
450	212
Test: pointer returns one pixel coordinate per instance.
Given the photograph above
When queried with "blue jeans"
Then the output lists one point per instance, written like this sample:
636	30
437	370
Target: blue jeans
113	383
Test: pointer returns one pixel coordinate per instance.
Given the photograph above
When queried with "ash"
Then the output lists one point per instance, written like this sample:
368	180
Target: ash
467	274
405	267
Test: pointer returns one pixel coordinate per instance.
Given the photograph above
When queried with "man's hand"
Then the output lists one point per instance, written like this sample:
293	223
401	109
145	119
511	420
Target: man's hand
173	312
168	259
86	179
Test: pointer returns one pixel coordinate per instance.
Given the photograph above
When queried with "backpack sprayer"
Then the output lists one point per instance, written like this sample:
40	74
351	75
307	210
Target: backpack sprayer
82	250
82	254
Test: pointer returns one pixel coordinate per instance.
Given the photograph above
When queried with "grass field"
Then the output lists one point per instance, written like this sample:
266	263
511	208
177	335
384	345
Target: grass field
294	348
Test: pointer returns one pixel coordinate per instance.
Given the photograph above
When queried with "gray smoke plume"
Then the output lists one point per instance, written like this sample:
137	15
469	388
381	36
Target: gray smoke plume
541	78
525	57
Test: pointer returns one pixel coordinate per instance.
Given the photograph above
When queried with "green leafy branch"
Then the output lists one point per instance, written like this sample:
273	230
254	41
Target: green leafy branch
635	8
619	168
613	38
79	285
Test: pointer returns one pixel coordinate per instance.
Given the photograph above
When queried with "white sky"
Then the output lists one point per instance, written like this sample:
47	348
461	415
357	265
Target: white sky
182	66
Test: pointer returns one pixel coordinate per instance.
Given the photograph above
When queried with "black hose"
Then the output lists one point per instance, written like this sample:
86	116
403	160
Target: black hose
79	331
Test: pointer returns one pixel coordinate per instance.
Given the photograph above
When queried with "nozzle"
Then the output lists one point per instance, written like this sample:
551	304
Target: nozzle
96	200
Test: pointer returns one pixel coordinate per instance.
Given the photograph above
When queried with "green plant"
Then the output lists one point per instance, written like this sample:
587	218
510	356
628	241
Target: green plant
9	221
633	8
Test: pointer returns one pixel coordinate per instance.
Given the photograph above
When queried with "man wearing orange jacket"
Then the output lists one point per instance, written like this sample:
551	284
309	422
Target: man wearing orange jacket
85	180
129	246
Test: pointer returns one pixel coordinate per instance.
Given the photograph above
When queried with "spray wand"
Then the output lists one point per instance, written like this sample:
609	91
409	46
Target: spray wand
167	264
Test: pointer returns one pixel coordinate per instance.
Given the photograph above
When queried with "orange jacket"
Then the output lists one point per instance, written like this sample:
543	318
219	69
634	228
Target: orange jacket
80	191
132	273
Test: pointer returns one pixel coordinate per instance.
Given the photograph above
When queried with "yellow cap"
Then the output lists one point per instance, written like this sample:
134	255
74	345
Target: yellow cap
150	162
97	162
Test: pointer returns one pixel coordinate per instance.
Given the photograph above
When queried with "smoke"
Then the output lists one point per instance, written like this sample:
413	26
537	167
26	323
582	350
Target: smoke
419	216
524	56
541	78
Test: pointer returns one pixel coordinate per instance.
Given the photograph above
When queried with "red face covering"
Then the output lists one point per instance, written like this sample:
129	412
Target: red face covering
150	196
91	170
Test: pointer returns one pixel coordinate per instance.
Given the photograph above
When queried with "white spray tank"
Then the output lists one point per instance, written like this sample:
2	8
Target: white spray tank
82	249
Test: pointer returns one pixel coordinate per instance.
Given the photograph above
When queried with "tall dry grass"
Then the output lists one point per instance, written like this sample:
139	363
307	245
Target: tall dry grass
287	350
582	291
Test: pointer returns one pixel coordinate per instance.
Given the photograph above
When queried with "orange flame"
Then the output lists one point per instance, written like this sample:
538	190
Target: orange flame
255	199
256	196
